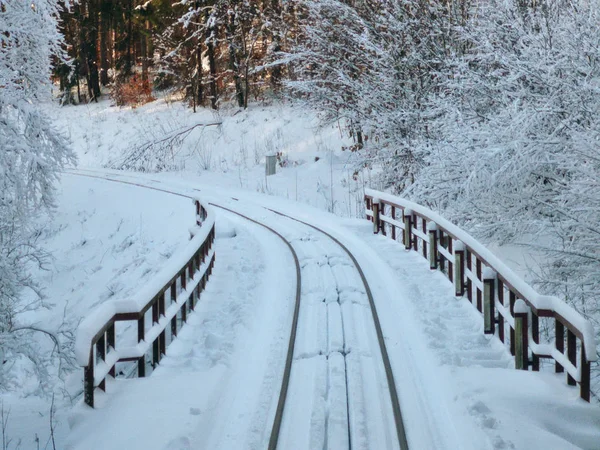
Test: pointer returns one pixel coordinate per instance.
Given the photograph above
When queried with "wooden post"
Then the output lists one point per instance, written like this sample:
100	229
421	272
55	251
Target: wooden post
512	300
584	385
535	334
111	343
393	226
459	268
433	245
88	380
500	294
198	213
521	332
101	353
141	337
469	284
489	301
407	228
368	205
559	343
415	240
375	215
477	290
572	354
174	319
424	230
381	221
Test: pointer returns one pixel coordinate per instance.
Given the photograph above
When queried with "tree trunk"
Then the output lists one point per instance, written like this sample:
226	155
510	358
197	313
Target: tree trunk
212	65
105	12
234	65
199	94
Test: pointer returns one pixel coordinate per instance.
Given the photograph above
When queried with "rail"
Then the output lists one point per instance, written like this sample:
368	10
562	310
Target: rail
165	301
510	307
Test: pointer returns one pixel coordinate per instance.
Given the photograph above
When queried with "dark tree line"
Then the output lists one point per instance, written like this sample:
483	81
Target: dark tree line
211	49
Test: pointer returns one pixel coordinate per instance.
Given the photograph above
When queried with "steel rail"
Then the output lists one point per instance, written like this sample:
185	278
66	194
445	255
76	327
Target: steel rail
399	422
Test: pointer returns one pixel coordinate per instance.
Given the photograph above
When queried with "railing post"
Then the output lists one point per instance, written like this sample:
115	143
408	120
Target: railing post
459	268
141	337
535	334
572	354
500	294
368	205
198	213
521	335
433	245
407	228
173	299
393	213
101	352
559	343
111	343
375	215
584	385
381	221
88	380
489	301
512	299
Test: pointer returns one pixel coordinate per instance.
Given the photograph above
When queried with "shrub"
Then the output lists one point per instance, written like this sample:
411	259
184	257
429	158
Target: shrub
133	91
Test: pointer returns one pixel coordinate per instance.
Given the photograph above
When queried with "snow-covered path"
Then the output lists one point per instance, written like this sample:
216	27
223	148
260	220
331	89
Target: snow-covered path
455	387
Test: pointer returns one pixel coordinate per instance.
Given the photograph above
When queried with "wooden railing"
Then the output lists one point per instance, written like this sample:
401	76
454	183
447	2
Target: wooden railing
160	308
511	308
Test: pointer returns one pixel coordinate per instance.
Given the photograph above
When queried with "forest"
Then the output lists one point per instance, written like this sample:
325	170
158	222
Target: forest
488	112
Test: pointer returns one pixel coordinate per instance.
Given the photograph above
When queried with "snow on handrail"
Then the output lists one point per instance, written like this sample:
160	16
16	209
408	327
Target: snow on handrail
537	300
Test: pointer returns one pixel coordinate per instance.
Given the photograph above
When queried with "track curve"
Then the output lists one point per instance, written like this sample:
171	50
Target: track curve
279	413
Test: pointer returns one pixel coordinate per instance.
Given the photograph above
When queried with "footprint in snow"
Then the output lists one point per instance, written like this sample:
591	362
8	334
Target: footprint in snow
181	443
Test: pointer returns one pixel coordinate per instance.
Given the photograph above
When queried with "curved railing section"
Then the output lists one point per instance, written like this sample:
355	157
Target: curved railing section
160	308
510	307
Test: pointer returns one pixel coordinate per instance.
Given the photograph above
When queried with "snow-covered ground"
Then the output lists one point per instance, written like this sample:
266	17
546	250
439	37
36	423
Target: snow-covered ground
217	387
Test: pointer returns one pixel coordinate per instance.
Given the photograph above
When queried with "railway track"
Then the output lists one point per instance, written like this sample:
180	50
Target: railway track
337	390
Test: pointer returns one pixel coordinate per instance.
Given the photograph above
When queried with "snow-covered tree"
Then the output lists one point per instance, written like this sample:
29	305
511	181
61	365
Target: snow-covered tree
32	153
374	64
517	153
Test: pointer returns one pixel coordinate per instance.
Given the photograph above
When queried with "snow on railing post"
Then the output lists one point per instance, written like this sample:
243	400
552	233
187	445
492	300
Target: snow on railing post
407	228
459	268
433	245
521	335
375	215
369	207
489	300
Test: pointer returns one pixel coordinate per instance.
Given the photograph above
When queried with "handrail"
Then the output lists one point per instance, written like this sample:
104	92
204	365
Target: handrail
489	283
182	280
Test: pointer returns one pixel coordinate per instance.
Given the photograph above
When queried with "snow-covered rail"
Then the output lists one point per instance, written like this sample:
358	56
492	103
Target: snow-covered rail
340	337
505	300
158	308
